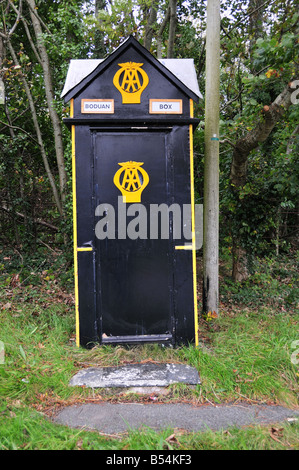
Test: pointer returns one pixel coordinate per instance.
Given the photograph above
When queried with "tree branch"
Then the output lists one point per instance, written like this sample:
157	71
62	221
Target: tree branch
172	27
292	140
39	221
31	40
34	12
38	131
19	13
271	115
160	32
50	96
149	27
227	141
20	129
245	16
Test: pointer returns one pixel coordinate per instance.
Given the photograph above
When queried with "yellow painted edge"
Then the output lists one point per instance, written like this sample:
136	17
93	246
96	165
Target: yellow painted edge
88	248
75	227
72	108
191	109
193	225
184	247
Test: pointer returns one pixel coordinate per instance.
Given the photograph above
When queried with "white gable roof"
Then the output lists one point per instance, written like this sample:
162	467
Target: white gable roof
183	69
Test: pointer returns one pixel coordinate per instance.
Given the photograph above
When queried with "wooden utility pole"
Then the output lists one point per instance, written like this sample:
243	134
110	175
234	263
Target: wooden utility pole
211	164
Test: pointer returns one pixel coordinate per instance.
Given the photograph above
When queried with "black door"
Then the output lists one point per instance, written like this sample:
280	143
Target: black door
134	269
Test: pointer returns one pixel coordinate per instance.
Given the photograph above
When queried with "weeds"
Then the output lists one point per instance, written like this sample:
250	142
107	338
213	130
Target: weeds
273	284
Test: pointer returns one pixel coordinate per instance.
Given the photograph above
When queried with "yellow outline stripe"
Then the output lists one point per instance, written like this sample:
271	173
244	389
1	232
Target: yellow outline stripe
72	108
75	226
184	247
193	224
76	249
191	109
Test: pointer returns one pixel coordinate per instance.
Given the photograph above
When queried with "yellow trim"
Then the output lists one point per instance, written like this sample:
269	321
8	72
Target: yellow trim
191	109
193	225
72	108
75	227
184	247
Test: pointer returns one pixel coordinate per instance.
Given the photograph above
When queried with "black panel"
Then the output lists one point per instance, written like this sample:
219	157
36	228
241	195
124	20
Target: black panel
87	298
134	276
84	184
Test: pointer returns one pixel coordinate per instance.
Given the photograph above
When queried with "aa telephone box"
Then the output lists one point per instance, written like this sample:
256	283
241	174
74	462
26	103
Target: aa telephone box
132	128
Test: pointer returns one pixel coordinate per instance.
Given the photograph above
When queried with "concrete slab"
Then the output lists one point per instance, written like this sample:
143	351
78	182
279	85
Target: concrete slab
117	418
136	375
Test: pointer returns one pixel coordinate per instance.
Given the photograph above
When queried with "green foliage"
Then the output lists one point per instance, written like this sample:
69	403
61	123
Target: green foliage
261	214
256	64
273	283
24	187
119	21
281	53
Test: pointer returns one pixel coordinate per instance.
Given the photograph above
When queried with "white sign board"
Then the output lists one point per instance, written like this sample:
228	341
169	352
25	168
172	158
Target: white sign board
166	106
97	106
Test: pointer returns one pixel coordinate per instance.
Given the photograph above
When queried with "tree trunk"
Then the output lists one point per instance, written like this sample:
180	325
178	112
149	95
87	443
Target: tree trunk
238	174
270	116
1	54
240	262
50	99
240	158
256	30
149	28
38	132
99	43
160	33
172	28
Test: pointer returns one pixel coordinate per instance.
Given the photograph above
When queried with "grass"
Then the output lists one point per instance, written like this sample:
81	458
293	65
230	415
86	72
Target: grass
244	355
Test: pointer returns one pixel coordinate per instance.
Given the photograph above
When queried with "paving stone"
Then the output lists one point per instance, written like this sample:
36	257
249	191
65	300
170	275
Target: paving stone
121	417
136	375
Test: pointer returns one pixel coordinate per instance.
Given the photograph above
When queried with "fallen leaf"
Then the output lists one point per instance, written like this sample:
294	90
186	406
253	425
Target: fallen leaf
172	439
212	315
275	433
14	280
79	444
7	306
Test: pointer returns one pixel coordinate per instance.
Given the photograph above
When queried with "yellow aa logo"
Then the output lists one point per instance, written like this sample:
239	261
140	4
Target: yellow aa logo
130	80
131	180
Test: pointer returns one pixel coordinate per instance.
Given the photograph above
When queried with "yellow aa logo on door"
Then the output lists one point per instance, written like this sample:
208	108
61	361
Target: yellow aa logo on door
131	180
130	80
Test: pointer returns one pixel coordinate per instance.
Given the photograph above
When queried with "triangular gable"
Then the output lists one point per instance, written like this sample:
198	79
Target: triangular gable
167	67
